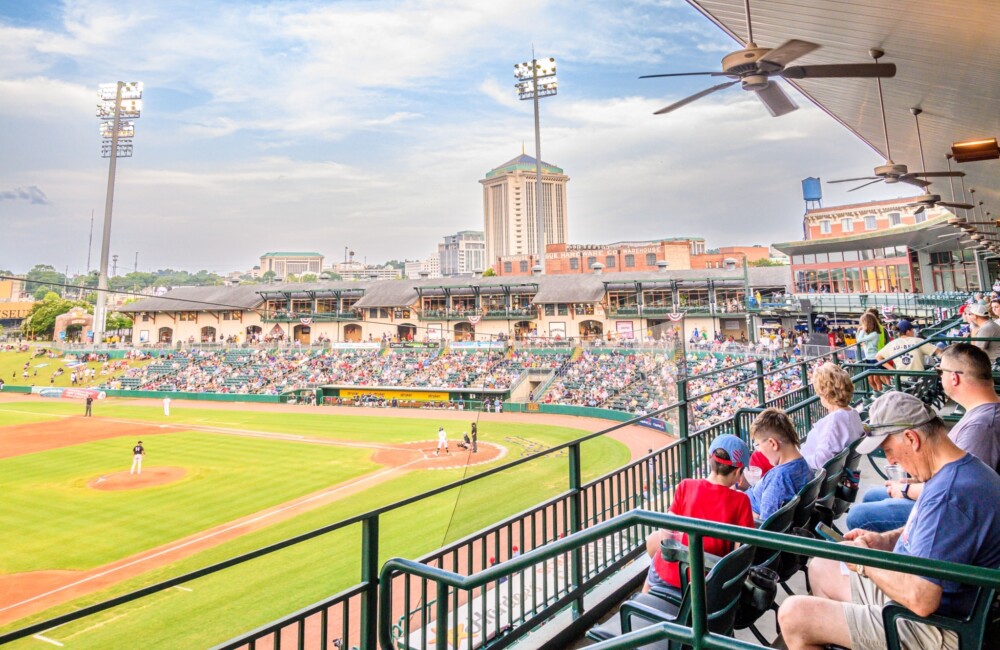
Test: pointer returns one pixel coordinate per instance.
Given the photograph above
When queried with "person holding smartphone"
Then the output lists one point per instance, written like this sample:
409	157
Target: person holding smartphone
955	520
967	378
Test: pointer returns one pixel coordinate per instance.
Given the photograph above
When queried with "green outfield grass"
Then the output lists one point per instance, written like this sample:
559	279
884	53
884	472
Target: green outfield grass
243	597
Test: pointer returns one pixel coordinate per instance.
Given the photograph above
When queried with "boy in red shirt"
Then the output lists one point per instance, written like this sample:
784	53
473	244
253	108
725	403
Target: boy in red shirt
711	499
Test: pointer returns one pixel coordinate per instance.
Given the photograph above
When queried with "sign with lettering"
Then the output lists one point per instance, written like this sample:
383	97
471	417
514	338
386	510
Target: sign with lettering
404	395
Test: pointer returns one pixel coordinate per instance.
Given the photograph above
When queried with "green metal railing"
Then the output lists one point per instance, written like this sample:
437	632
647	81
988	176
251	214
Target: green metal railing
350	615
448	587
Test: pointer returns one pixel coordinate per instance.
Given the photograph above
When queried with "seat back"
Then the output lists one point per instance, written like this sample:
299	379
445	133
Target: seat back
834	468
779	522
972	630
723	586
842	504
807	500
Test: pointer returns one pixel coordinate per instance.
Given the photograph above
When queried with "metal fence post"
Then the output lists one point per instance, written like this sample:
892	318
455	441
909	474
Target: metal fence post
575	521
369	576
761	390
687	458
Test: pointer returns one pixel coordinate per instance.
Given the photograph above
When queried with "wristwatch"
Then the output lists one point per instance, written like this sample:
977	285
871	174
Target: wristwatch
905	490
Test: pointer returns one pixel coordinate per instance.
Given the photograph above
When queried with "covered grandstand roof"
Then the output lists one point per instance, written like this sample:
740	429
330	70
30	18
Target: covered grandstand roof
579	288
199	299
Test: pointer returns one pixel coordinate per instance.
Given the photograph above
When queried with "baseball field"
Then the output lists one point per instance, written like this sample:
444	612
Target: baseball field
218	480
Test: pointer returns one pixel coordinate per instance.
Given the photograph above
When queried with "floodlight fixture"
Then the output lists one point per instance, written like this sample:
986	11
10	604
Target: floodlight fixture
536	79
120	103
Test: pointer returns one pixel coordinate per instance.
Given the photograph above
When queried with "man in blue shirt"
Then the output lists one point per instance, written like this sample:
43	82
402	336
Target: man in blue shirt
955	520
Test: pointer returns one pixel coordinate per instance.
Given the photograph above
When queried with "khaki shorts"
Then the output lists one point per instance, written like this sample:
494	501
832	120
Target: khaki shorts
864	620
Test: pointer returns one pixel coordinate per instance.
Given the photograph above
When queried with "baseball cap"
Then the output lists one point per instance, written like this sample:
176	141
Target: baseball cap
891	413
739	453
978	309
904	326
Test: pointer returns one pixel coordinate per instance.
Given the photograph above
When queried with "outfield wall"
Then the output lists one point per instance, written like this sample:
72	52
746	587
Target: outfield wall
205	397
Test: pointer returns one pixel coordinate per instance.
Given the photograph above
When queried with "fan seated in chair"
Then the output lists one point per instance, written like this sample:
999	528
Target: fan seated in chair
710	499
955	520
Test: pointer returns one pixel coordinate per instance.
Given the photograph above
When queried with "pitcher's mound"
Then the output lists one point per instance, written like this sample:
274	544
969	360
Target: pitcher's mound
420	455
150	477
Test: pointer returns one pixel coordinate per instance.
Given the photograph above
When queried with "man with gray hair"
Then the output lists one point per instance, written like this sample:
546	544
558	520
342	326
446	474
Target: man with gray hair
967	378
955	520
983	326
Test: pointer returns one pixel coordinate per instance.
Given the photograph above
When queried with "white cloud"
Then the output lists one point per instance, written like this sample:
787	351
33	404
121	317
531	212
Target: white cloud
370	123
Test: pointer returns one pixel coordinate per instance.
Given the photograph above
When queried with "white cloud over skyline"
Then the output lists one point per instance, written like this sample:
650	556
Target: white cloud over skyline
319	125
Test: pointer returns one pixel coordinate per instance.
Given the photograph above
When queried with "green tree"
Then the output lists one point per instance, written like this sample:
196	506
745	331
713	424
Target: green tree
291	277
44	276
308	277
269	276
41	319
765	262
330	275
396	264
118	321
489	273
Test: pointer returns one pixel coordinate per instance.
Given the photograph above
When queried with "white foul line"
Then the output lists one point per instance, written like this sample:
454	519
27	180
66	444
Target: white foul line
47	640
210	535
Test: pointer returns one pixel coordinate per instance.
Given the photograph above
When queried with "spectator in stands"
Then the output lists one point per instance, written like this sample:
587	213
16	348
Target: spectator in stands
967	379
984	327
956	520
912	360
841	426
774	435
710	499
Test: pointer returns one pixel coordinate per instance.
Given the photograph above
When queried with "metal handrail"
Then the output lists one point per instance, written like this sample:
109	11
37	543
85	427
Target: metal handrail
696	529
685	449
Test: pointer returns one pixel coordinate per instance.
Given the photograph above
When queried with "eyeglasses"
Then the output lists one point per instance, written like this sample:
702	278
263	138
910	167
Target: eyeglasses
940	371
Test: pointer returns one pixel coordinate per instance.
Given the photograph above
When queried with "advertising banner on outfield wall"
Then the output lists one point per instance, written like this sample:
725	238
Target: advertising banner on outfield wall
654	423
403	395
67	393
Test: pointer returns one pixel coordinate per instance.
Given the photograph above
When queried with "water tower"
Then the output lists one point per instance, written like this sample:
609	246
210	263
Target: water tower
812	192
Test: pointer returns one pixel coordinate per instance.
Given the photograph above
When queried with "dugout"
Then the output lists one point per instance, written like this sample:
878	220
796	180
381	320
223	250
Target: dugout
469	399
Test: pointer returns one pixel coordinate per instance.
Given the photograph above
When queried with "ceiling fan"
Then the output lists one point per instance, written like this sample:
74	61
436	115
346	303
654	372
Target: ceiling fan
892	172
754	66
931	200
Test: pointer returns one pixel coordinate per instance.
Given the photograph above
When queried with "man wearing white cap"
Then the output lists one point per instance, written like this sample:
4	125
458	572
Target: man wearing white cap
955	520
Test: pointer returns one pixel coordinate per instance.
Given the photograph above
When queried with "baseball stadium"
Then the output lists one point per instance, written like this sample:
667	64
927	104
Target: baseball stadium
726	458
297	495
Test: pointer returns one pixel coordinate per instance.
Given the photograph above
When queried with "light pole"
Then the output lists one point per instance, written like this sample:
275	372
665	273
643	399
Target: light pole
537	78
118	100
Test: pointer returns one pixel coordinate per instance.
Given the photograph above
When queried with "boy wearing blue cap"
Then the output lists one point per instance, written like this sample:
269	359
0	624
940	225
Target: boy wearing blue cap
711	499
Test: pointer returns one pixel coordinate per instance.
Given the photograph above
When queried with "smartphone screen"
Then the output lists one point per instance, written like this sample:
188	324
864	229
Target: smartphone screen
828	533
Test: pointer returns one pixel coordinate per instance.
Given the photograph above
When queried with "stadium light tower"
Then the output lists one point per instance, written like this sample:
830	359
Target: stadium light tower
535	79
118	100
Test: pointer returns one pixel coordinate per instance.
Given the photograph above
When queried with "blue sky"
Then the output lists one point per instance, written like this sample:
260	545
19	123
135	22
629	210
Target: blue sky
319	125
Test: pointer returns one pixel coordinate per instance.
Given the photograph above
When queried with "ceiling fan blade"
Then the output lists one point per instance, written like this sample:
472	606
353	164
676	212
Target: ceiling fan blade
908	178
775	99
784	54
877	180
937	174
919	210
684	74
859	70
960	206
694	97
852	180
